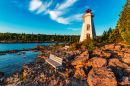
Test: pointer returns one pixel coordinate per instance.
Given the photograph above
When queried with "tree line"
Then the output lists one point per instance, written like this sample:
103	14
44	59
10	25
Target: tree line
38	37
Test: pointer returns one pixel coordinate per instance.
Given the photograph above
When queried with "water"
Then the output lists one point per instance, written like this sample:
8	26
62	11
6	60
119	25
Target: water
20	46
11	63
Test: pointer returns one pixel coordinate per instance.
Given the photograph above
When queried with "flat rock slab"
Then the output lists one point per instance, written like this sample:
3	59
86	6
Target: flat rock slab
101	77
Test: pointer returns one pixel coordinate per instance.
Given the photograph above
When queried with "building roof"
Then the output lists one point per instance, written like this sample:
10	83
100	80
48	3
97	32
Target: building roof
88	10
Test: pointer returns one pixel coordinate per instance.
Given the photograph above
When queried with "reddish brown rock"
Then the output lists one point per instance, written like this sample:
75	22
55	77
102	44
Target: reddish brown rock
98	62
79	60
118	47
125	50
124	82
39	47
101	77
105	54
121	53
86	52
102	53
80	74
25	66
66	74
110	46
120	69
116	63
126	58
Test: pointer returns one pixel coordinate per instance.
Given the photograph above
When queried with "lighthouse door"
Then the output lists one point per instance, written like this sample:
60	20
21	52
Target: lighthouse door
87	35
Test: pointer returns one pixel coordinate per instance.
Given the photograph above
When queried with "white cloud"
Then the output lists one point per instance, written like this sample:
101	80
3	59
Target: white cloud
57	5
44	7
67	4
35	4
57	13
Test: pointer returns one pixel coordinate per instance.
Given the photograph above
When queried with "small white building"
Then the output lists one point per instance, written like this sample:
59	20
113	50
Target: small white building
88	28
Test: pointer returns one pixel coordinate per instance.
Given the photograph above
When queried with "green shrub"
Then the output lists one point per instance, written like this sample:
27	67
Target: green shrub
22	77
86	44
56	43
105	42
75	46
127	46
63	44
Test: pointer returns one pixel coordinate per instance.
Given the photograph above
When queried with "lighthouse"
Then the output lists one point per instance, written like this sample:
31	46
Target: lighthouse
88	28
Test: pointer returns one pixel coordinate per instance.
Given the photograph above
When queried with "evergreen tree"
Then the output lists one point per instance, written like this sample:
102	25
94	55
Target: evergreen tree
123	23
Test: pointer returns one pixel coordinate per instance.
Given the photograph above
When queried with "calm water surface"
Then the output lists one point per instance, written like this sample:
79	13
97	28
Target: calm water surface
19	46
11	63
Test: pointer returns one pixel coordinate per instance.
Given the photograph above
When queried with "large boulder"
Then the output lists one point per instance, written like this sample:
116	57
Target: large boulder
80	74
115	62
101	77
126	58
120	69
80	60
68	56
98	62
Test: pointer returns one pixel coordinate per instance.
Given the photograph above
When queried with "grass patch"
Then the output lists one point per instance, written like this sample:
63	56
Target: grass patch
22	77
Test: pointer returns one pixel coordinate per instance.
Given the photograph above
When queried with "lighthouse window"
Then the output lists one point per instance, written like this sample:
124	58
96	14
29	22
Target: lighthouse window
88	27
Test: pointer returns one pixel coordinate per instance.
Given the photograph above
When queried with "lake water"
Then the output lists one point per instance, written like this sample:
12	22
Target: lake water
20	46
11	63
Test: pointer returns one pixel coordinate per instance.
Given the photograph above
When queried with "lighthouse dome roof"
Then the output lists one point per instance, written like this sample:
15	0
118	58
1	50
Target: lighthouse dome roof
88	10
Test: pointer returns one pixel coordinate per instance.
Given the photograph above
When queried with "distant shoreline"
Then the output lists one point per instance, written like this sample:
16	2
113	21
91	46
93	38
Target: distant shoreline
20	41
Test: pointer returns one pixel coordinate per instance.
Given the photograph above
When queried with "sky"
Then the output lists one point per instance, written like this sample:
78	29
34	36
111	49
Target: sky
61	17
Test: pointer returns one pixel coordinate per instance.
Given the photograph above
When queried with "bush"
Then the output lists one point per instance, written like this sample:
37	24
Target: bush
127	46
75	46
56	43
105	42
86	44
22	77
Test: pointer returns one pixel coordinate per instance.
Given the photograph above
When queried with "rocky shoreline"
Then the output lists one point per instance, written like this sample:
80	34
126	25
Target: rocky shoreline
21	41
107	65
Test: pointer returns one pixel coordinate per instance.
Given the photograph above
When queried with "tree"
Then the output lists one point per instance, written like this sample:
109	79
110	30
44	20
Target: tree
115	36
123	23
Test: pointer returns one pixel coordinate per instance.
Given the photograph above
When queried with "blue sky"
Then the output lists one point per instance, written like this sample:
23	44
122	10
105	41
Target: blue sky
57	16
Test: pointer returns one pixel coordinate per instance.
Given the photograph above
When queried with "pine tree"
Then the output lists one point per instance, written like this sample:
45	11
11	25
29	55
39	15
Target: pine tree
123	23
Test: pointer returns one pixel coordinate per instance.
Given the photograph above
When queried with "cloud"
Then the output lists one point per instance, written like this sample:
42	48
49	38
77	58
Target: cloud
67	4
35	4
44	7
58	12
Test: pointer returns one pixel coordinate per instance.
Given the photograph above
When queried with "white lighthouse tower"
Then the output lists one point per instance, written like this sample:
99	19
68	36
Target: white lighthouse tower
88	28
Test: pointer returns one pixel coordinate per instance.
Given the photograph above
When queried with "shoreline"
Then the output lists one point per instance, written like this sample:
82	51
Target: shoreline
80	66
20	41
